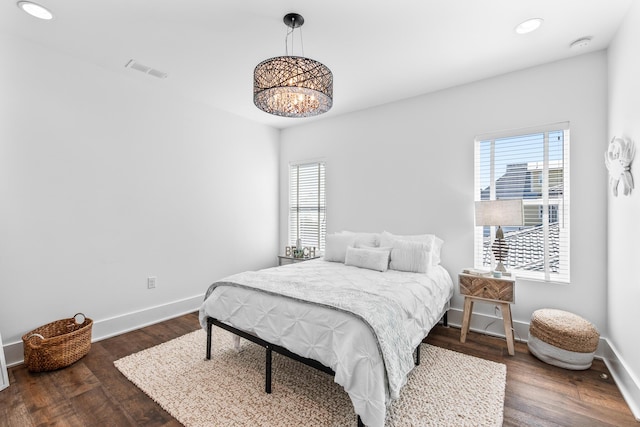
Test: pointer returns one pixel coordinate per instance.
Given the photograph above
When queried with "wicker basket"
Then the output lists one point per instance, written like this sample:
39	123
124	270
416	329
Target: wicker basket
57	344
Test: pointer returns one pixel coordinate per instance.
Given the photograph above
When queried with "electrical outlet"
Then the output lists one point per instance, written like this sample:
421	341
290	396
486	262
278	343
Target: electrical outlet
151	282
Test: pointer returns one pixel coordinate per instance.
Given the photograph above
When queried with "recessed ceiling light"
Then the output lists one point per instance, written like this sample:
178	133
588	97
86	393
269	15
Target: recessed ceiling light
529	25
35	10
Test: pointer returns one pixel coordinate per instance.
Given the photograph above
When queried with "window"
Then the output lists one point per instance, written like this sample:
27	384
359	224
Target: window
532	165
307	205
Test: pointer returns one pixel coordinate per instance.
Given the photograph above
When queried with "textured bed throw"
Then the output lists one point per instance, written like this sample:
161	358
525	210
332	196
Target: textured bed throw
446	389
383	315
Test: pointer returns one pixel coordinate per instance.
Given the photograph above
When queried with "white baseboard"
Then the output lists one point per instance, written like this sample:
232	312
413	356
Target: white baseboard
489	325
628	385
116	325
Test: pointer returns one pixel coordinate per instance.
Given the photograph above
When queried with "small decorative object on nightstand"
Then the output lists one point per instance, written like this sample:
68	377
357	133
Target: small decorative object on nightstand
498	291
300	251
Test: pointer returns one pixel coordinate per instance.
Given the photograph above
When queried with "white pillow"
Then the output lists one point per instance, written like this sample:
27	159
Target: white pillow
364	239
336	246
433	242
373	259
412	256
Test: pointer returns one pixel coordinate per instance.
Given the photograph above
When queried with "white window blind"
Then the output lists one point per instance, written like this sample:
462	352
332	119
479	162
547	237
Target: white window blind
532	165
307	205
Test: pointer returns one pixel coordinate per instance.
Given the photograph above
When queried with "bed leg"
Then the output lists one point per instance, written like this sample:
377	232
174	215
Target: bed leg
209	326
445	319
418	355
267	376
360	423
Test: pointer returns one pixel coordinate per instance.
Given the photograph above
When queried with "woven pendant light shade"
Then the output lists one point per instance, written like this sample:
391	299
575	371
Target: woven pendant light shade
292	86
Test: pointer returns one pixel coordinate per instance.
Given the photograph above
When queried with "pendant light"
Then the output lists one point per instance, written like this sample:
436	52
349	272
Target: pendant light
292	86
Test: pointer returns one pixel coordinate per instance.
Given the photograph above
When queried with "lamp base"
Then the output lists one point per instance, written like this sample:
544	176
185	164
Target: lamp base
500	251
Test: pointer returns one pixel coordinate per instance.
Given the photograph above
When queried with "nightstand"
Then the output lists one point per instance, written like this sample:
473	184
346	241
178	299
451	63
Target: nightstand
490	290
284	260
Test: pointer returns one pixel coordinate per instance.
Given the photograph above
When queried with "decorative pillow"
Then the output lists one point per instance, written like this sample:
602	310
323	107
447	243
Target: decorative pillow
435	250
364	239
412	256
336	246
373	259
433	242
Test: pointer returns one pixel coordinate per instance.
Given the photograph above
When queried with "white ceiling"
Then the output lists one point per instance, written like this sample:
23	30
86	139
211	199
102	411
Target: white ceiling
379	51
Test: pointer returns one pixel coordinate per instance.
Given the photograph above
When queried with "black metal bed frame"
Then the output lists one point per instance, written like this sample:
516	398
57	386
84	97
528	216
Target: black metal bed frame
270	348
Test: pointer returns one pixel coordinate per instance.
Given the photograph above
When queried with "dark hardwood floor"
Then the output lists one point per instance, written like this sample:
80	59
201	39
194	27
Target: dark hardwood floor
92	392
538	394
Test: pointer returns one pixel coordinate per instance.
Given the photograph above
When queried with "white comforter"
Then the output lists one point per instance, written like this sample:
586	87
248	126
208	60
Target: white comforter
336	339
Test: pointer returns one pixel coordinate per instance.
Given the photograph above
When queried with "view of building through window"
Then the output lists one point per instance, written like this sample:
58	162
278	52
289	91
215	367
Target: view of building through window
532	167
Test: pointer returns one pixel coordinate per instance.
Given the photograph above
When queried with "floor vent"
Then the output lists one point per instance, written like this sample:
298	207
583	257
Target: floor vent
147	70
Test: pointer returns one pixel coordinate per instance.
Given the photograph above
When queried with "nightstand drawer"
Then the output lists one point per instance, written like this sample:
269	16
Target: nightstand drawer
285	260
486	287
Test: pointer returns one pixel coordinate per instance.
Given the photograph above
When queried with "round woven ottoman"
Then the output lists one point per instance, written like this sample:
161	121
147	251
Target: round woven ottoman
562	339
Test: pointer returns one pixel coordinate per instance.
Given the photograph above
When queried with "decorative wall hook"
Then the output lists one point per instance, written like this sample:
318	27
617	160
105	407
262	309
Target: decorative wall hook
618	158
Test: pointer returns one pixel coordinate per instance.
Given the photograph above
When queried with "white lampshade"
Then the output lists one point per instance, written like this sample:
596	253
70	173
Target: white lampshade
500	212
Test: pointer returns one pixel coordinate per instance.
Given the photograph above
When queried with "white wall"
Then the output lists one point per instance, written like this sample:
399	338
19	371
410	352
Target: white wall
624	212
407	167
106	179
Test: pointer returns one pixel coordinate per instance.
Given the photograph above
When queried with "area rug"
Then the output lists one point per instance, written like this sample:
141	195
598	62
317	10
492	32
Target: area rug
446	389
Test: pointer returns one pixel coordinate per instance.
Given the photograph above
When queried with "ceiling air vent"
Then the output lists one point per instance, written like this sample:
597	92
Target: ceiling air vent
147	70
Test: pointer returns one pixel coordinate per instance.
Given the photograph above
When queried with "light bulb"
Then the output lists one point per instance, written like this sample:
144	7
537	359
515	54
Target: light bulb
35	10
529	25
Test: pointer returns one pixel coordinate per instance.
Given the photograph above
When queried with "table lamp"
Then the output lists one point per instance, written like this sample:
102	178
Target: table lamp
498	213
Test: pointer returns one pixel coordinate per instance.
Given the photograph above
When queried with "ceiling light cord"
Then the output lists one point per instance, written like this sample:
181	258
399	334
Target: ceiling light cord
290	32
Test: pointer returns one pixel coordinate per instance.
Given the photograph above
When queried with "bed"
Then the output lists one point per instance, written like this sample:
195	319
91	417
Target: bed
360	323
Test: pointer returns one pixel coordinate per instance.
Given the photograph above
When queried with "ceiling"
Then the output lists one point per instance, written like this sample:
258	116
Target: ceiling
379	51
